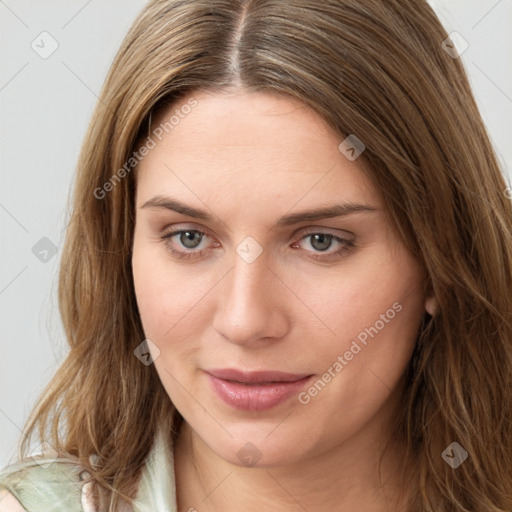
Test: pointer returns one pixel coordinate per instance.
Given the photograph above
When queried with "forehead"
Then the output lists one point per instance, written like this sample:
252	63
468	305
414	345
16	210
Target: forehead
252	146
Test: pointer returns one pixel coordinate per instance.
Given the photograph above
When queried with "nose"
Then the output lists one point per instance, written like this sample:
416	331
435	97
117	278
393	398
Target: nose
251	307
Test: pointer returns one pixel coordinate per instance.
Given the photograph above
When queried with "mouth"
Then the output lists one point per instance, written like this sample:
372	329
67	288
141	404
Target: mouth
255	391
256	377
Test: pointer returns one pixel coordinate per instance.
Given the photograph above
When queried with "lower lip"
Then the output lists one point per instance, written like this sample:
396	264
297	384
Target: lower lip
256	397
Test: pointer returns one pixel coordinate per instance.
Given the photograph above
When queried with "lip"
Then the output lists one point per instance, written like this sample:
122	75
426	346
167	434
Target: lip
255	391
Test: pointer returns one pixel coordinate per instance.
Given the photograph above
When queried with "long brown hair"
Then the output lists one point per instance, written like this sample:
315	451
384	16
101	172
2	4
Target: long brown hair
373	68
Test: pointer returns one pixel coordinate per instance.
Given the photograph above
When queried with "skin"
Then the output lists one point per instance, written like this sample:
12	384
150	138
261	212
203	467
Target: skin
248	159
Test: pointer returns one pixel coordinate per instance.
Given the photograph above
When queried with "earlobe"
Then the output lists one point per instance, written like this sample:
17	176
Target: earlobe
431	305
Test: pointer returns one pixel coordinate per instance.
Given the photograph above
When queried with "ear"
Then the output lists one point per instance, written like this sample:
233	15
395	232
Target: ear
431	305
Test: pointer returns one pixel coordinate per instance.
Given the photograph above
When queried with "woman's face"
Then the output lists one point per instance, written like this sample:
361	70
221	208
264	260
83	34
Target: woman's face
278	330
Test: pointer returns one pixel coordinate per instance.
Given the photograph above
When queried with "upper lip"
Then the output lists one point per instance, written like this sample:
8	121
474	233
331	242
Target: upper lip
255	376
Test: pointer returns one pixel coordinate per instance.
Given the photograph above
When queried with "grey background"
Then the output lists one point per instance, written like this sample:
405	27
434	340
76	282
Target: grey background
45	107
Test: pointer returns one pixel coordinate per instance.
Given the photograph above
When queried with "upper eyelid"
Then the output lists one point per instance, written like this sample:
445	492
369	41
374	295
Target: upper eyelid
305	230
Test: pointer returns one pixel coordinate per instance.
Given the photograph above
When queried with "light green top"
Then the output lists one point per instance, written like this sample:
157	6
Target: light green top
43	484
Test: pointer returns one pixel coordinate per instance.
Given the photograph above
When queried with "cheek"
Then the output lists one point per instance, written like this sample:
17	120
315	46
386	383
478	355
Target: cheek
162	295
172	302
377	291
168	316
359	367
370	316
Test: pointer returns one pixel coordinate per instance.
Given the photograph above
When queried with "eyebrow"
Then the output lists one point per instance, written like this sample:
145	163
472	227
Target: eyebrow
336	210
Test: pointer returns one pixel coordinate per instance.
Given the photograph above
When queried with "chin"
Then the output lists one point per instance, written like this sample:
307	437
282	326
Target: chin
255	447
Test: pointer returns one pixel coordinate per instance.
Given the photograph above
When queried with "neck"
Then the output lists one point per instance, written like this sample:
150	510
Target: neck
356	475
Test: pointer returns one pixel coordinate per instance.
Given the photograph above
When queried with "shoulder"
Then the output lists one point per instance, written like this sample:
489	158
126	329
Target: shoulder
40	484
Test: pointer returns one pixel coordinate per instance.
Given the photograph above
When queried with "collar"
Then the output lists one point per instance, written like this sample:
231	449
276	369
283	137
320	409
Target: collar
157	485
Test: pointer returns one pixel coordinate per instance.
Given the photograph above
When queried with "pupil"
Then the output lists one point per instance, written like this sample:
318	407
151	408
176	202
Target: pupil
325	241
187	239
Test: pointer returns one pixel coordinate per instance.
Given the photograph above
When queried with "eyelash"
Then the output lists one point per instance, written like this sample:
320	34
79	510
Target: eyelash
347	245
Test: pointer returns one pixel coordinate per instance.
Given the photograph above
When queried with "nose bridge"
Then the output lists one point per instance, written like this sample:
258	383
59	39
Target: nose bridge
248	279
247	309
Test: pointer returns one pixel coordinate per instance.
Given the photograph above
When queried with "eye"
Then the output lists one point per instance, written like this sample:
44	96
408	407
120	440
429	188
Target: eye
188	243
321	242
189	239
